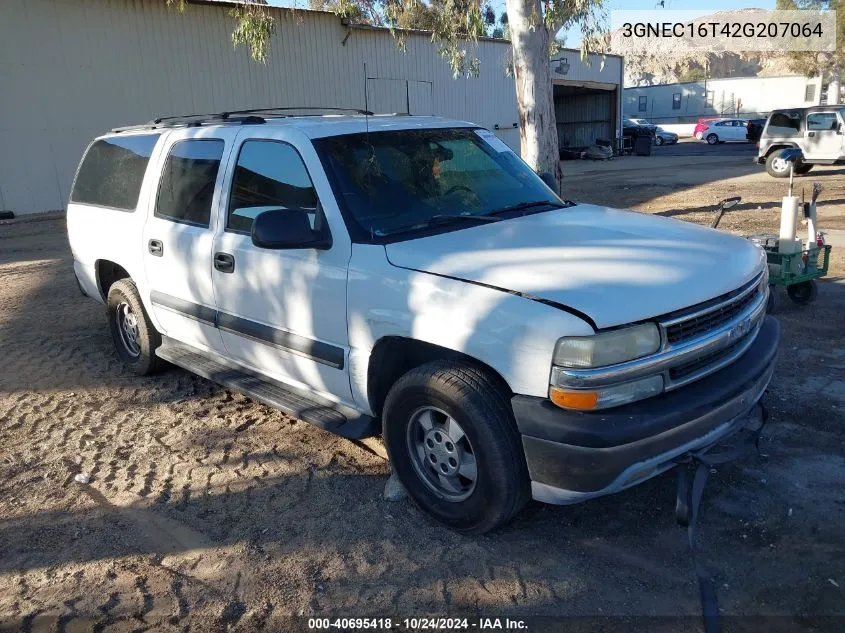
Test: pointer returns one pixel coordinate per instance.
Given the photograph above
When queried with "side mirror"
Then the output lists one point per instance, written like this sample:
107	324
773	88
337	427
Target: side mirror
550	181
730	203
287	228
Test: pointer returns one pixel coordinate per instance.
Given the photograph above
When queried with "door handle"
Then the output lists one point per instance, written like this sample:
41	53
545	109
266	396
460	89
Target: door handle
224	262
156	248
811	133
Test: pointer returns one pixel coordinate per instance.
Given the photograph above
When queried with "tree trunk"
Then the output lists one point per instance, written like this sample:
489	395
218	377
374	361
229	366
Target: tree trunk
534	94
833	87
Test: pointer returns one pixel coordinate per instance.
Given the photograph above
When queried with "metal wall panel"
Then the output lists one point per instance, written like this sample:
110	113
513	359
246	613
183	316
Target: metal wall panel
104	63
745	97
582	118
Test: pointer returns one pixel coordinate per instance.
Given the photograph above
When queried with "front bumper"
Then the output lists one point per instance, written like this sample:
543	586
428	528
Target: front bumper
574	456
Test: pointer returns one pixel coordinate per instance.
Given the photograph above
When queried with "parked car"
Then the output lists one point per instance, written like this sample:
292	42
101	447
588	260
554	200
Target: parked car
755	128
816	131
632	128
662	137
725	131
411	276
701	125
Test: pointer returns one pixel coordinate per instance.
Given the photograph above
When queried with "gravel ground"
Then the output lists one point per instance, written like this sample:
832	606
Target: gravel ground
207	511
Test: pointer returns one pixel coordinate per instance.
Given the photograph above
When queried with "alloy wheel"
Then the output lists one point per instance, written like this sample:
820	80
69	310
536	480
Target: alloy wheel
441	454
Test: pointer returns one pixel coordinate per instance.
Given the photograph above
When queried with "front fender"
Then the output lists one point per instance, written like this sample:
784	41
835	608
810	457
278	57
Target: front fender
512	334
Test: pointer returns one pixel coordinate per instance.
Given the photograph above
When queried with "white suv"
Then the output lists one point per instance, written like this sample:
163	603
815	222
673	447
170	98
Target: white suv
411	276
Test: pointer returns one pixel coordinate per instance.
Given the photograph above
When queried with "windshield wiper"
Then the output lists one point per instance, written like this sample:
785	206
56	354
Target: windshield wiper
520	206
445	218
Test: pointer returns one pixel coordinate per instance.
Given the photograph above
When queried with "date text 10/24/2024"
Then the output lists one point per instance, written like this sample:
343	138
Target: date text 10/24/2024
419	624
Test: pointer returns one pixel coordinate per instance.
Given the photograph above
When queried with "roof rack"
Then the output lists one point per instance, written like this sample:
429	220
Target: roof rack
242	117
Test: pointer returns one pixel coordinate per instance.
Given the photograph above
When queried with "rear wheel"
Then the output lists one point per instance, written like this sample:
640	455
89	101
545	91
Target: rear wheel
658	140
453	443
776	166
135	338
712	139
803	293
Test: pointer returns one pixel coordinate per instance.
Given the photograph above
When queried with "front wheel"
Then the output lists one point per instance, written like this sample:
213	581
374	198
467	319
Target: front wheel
135	338
453	443
803	293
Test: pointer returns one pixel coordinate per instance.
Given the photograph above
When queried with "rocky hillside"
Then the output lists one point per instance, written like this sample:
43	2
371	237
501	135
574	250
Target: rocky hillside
651	69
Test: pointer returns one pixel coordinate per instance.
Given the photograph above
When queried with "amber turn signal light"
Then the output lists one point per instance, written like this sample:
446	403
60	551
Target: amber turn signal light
578	400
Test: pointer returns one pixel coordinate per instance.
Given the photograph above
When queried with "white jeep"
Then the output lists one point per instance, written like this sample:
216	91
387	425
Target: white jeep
412	277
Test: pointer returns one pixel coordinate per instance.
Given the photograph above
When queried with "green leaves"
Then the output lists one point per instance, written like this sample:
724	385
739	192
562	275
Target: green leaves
253	28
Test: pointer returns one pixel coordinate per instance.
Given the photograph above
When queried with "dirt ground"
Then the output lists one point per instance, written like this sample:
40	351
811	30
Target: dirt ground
207	511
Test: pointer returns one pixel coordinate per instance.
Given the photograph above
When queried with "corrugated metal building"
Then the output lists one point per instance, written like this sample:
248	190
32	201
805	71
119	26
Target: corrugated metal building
747	97
72	69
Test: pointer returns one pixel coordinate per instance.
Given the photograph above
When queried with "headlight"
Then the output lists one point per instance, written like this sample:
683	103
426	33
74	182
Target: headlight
608	348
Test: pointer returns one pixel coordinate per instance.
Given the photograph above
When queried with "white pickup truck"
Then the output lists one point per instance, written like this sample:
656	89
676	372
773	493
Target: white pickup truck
412	277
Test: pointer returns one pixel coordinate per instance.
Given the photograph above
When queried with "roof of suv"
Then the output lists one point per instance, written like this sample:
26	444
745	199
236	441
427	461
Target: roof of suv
818	108
313	126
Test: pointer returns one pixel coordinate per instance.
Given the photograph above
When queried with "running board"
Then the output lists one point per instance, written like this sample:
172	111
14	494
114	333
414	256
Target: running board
327	415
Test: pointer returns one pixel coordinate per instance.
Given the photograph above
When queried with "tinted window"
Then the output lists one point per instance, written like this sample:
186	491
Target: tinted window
676	101
269	175
643	104
822	121
784	124
112	171
187	181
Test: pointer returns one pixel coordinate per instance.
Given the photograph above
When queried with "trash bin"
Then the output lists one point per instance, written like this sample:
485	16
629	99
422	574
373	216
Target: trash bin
642	145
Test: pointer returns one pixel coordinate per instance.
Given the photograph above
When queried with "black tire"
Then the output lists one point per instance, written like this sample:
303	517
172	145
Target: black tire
469	396
803	293
137	354
712	139
774	168
772	302
658	140
802	168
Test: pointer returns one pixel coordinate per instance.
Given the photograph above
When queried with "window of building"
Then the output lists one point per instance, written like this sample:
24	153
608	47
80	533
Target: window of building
822	121
269	175
676	101
187	181
708	99
643	104
112	171
810	92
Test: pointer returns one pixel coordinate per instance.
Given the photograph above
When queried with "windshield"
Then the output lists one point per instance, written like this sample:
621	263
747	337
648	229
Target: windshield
403	182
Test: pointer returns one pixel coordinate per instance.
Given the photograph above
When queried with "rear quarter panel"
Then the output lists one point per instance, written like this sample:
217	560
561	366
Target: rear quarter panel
103	233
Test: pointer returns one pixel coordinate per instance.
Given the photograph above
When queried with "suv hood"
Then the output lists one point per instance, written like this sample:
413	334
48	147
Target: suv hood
614	266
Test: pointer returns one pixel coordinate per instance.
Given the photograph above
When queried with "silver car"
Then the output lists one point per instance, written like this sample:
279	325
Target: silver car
662	137
816	131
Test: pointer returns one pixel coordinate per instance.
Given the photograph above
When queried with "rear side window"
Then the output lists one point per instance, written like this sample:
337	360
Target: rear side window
269	175
187	181
112	171
784	124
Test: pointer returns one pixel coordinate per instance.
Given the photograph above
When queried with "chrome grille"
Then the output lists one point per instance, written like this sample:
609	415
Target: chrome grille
711	315
687	369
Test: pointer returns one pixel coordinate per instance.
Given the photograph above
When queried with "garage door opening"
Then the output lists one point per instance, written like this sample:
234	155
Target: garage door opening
585	113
